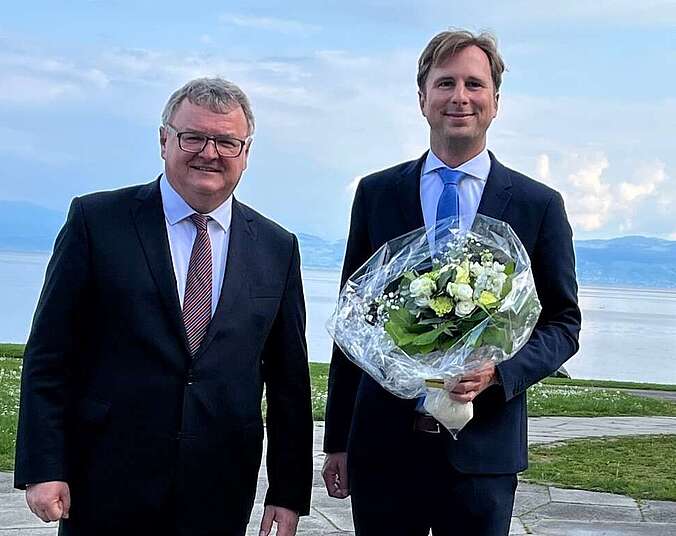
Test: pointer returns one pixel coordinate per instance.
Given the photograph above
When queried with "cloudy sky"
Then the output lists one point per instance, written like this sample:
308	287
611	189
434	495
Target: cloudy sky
588	103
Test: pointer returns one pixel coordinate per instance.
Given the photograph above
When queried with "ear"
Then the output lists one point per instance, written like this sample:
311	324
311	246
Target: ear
497	101
247	148
163	142
421	101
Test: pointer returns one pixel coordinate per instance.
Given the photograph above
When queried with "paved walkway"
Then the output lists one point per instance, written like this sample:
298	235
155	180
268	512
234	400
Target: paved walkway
538	510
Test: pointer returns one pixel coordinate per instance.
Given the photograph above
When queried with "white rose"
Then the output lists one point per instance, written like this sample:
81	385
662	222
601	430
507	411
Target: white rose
422	287
460	291
421	301
464	308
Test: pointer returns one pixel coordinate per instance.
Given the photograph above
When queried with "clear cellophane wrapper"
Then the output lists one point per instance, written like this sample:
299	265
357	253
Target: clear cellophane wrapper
364	340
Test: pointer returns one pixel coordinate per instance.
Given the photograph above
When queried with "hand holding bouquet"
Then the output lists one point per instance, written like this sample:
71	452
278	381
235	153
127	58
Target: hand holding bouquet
416	317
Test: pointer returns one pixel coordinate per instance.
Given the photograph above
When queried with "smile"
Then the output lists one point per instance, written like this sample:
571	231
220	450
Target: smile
206	169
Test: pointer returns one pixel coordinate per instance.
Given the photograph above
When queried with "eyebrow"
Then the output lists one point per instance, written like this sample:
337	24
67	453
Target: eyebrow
195	131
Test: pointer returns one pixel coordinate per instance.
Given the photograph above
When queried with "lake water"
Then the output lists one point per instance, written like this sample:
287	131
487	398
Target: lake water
627	334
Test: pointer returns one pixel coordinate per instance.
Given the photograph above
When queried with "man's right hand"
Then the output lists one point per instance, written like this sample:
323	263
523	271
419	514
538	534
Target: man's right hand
50	501
334	473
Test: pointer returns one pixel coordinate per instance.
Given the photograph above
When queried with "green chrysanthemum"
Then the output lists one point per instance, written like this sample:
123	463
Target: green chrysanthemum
441	305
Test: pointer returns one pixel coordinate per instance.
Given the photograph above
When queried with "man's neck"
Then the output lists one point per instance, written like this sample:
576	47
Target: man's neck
455	153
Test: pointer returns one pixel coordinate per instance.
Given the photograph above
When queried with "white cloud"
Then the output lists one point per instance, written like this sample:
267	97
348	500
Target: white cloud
599	198
334	115
285	26
33	78
650	176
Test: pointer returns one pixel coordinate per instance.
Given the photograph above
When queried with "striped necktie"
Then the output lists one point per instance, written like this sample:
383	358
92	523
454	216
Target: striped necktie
197	297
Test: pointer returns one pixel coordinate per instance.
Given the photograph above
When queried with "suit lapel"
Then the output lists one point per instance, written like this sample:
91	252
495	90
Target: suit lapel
241	255
148	216
497	192
408	194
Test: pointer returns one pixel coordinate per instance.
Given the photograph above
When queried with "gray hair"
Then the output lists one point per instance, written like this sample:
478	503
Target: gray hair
216	94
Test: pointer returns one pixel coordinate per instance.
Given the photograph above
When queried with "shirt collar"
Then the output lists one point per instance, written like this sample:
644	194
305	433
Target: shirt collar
477	167
176	209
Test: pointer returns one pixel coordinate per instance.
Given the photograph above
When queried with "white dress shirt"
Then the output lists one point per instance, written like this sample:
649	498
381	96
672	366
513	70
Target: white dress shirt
182	233
470	188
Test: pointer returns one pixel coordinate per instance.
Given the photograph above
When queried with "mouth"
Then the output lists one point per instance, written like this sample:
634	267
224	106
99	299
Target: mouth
459	115
206	169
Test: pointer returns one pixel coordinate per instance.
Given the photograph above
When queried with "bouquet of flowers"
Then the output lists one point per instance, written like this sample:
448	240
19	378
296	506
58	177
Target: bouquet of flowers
419	314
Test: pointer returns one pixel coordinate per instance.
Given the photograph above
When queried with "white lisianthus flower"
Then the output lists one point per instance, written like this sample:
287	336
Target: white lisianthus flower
497	283
421	289
476	269
497	267
460	291
464	308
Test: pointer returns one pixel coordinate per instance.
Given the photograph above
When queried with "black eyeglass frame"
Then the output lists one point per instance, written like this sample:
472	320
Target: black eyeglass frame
207	139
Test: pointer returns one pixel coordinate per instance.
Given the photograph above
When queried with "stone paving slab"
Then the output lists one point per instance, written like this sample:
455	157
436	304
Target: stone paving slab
578	496
659	511
539	510
582	528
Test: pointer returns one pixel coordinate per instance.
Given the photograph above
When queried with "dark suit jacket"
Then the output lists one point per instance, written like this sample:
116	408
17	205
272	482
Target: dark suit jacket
112	402
386	205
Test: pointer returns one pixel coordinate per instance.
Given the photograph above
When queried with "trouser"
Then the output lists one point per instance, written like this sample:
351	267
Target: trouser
412	488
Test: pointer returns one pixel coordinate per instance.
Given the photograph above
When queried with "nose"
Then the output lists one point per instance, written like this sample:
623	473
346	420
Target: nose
210	150
459	94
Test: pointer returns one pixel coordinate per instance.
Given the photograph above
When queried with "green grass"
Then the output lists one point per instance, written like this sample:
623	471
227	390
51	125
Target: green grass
547	399
11	350
641	467
10	383
543	400
572	401
319	378
610	384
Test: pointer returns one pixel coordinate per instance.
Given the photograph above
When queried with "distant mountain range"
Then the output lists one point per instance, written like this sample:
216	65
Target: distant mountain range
632	261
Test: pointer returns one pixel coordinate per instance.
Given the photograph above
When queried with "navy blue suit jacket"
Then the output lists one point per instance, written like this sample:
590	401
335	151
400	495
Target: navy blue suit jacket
112	401
361	413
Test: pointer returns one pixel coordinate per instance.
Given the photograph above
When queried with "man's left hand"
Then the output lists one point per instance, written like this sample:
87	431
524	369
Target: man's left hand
287	521
470	385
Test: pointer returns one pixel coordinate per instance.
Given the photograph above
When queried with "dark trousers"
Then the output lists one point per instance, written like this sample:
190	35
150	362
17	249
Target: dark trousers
411	488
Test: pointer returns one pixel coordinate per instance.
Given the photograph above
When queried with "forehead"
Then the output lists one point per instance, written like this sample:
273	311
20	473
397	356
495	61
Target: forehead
467	62
200	118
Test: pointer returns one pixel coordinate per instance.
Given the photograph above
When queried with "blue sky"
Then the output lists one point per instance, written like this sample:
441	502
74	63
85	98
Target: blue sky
587	105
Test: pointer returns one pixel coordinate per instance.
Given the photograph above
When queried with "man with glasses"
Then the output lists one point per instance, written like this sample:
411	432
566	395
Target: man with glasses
166	310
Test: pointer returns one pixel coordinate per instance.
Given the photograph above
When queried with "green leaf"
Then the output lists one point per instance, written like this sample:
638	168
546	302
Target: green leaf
399	334
413	349
431	336
445	278
506	288
510	267
401	316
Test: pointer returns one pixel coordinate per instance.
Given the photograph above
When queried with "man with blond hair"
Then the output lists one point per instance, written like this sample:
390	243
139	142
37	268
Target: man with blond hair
166	310
405	473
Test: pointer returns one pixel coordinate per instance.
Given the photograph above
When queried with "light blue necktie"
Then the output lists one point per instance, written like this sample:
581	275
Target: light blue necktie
449	202
448	207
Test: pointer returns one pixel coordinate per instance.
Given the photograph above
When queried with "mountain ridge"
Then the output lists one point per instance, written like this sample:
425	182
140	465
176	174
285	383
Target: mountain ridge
634	260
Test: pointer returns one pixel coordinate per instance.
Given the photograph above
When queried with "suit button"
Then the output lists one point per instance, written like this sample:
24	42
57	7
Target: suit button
191	378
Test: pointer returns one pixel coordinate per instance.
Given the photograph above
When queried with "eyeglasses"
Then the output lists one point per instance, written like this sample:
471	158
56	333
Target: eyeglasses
195	142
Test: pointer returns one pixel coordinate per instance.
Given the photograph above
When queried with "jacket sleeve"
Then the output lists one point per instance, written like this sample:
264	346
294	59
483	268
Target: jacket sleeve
289	409
53	341
555	337
344	376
